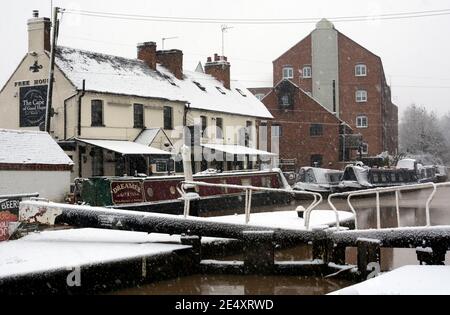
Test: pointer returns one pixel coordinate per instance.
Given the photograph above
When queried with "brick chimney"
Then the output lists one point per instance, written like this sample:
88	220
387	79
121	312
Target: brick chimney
219	69
38	33
147	53
172	60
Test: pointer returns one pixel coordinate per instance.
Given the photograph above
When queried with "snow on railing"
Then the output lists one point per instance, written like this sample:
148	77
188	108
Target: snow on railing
397	190
17	196
248	197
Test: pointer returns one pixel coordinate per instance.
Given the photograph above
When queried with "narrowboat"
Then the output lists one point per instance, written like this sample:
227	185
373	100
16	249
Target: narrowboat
317	179
360	177
425	173
160	193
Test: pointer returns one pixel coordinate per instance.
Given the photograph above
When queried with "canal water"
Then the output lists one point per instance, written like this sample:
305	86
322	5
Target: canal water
412	213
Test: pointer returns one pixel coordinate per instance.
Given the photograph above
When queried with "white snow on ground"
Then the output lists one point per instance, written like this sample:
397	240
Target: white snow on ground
52	250
26	147
285	219
407	280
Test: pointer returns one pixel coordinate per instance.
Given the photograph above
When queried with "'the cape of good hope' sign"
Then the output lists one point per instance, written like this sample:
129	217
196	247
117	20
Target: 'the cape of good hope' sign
127	192
33	101
9	211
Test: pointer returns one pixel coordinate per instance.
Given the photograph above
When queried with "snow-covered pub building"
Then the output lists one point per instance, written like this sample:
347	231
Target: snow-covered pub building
115	115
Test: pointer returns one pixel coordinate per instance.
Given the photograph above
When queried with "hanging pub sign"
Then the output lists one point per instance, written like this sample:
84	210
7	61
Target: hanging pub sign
9	211
33	101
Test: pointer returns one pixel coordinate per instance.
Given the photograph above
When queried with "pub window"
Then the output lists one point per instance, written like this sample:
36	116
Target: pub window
97	162
168	119
276	131
97	113
248	133
138	115
219	128
204	122
161	166
316	130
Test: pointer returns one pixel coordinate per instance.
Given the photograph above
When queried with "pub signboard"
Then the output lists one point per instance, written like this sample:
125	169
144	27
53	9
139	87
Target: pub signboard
33	101
9	212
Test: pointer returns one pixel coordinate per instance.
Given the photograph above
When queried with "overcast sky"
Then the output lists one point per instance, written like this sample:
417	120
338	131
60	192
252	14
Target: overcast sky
415	51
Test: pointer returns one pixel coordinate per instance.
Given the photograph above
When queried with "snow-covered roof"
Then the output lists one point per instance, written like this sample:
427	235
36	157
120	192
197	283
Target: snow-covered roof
118	75
147	136
124	147
236	149
30	147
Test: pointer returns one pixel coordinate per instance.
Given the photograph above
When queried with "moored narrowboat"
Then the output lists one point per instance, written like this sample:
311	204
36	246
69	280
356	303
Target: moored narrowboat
360	177
317	179
161	193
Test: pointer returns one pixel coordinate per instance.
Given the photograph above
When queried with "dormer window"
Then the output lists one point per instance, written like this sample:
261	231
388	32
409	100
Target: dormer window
288	73
220	90
360	70
240	92
201	87
169	79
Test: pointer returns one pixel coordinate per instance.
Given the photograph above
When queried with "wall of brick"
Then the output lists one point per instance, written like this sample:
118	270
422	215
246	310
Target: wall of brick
350	54
297	56
295	141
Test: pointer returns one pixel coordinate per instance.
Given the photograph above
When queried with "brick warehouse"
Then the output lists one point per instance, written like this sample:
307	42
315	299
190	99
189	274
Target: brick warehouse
304	129
343	77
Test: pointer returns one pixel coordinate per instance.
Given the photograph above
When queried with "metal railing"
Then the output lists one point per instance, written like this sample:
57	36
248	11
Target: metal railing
19	196
188	197
396	190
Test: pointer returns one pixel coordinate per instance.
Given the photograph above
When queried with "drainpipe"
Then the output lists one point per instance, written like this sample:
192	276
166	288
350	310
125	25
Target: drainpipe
83	91
80	162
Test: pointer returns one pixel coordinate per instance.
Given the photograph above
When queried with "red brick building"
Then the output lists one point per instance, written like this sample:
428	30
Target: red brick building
304	130
346	79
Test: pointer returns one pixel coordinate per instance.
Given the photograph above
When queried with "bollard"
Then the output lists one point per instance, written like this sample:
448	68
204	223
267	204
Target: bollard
337	253
368	256
196	243
259	256
434	255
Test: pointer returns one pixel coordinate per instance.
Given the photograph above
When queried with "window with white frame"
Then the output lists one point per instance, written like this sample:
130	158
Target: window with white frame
362	121
360	70
306	72
288	72
361	96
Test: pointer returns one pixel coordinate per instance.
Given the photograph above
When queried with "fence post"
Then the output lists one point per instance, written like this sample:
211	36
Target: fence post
368	257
